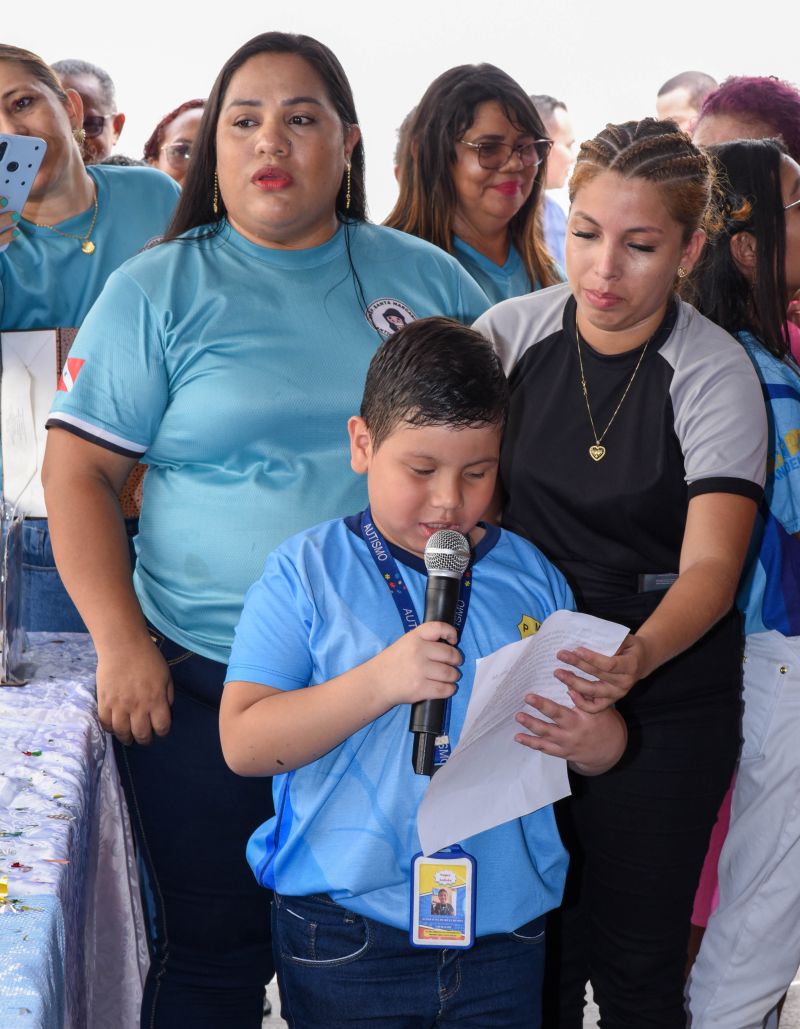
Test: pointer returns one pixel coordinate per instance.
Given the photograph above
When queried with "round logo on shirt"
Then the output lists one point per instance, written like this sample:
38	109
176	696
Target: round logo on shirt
389	316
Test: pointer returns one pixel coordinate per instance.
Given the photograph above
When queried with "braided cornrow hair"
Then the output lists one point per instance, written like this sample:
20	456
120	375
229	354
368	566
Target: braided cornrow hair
659	152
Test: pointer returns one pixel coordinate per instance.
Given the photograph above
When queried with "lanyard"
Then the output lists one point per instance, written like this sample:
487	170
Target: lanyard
387	566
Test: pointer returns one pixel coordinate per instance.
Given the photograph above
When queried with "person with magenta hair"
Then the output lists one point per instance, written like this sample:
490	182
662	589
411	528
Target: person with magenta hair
79	224
228	357
329	654
170	144
471	175
645	499
751	948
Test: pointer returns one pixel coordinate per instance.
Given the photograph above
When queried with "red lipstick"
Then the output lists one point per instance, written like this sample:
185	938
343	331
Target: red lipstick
271	178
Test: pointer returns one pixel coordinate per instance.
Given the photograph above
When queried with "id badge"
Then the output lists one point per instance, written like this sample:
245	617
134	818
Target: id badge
443	899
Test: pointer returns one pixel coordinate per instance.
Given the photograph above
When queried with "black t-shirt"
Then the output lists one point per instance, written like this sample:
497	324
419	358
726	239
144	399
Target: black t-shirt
693	422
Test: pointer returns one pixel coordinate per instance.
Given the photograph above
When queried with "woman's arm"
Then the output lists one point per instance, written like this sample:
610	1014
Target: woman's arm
82	482
266	731
592	742
718	528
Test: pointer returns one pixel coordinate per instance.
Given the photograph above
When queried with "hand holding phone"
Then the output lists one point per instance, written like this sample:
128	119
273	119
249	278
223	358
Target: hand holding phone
20	160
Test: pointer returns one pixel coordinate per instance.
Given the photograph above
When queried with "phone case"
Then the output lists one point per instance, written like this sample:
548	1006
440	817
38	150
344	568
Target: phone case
20	159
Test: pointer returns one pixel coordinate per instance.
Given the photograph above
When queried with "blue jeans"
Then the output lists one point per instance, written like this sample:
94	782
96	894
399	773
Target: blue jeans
46	605
337	970
207	917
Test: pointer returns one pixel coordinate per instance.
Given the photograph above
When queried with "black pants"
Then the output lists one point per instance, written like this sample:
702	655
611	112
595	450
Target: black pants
637	837
208	919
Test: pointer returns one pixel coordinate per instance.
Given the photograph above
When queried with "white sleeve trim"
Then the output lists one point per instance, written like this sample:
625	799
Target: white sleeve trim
88	429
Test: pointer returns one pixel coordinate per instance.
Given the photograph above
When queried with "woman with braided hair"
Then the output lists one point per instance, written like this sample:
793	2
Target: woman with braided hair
634	458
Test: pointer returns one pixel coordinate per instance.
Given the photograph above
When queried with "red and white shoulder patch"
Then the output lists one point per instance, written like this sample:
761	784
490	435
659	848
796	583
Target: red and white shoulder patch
69	374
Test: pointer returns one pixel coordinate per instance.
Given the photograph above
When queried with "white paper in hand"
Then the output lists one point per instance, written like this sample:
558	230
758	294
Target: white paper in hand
489	778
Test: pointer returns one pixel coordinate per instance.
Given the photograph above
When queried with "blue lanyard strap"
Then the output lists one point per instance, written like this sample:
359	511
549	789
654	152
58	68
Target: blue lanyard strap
387	566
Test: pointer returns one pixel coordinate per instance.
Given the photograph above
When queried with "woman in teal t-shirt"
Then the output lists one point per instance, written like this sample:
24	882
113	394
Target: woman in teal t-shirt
78	225
472	177
229	359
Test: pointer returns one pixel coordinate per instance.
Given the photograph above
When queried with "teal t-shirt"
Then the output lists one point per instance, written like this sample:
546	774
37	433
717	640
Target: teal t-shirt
232	369
47	282
498	282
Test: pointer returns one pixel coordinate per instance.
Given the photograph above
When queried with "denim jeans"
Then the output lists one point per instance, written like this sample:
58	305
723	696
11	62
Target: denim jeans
207	917
337	969
46	605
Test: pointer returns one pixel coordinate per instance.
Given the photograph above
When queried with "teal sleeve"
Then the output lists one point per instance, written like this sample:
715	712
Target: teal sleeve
120	383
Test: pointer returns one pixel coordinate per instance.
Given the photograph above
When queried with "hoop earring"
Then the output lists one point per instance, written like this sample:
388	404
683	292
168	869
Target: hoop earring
215	195
682	273
347	191
79	135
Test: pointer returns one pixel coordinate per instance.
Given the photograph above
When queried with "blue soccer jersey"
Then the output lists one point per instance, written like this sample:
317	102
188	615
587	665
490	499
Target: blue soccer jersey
346	823
232	369
769	594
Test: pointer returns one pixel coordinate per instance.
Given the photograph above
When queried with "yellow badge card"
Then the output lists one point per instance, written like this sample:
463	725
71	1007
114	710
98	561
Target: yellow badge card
443	899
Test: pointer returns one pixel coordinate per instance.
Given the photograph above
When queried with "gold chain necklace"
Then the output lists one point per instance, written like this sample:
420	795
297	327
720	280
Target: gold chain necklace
86	244
597	451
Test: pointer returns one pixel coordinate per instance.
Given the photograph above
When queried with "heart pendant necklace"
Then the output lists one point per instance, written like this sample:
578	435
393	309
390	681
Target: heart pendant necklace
597	451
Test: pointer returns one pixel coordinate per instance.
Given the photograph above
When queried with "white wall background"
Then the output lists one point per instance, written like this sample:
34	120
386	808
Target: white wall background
604	58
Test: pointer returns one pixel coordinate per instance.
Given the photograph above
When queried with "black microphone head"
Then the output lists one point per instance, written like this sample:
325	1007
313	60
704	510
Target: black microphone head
447	553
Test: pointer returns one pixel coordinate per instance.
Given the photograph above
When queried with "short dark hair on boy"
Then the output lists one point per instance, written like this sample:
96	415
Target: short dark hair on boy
434	371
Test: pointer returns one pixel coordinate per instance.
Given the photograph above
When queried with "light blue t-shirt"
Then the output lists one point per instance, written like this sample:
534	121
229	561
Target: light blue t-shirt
232	369
47	282
554	222
498	282
346	823
769	594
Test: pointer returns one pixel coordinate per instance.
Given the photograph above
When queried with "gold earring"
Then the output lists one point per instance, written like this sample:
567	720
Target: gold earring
682	273
79	136
347	192
215	195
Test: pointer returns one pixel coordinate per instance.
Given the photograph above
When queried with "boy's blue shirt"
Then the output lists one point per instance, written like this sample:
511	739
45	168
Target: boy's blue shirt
346	823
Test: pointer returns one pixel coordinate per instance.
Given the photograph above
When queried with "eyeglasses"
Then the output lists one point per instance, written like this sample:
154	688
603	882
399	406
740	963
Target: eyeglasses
794	203
93	124
177	153
494	155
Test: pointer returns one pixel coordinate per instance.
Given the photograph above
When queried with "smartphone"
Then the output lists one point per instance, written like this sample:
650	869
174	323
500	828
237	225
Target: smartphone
20	160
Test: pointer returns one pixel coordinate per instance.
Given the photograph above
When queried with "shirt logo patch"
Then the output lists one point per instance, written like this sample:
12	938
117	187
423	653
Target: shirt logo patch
528	626
389	316
69	374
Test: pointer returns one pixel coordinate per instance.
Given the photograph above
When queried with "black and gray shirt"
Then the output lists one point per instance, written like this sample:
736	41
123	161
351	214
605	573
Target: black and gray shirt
693	422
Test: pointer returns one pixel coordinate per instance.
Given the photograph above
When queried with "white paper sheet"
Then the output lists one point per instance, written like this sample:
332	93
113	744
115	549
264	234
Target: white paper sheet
490	778
26	393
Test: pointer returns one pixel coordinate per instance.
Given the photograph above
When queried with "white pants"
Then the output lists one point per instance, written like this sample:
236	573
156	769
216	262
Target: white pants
751	949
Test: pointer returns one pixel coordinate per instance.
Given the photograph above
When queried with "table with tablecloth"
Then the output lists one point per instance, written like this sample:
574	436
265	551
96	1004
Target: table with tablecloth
72	949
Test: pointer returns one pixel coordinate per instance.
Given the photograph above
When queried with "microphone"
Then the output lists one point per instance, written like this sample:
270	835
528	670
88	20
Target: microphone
447	557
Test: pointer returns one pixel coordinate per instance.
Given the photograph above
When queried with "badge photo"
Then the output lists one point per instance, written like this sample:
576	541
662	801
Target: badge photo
388	315
443	899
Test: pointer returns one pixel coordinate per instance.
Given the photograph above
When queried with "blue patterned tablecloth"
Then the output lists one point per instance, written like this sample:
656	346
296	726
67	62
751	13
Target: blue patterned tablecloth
71	947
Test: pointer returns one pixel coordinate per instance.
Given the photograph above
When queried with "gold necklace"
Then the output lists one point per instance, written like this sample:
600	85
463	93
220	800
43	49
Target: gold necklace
86	244
597	451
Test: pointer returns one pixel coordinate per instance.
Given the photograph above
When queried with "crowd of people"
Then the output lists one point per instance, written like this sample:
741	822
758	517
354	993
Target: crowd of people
604	401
